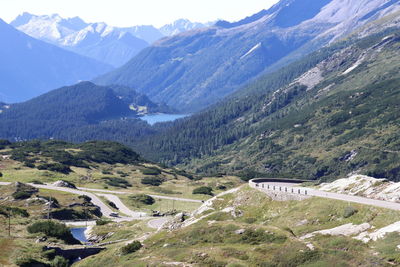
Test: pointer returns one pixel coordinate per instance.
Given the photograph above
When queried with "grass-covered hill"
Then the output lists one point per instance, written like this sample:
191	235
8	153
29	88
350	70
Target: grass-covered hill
246	228
329	114
100	165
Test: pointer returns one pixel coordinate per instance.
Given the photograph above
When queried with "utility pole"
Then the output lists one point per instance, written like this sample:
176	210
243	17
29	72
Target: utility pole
8	209
86	213
9	222
48	210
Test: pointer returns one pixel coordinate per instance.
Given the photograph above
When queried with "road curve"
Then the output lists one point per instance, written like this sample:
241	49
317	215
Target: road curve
105	210
121	206
280	186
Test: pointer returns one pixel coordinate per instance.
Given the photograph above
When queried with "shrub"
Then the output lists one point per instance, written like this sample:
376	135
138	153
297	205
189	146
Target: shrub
151	171
349	211
152	181
72	214
131	248
4	143
29	262
49	254
13	211
85	198
29	164
142	199
55	167
36	182
59	261
117	182
21	195
221	187
108	152
53	229
184	173
103	222
112	204
204	190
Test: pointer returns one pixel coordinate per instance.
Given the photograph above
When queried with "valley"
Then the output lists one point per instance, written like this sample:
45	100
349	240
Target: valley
269	140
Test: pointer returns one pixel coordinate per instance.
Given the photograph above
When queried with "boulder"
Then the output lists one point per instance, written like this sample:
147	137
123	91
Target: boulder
62	183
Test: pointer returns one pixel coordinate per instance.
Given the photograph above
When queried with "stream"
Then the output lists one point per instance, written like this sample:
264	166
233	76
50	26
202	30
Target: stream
79	234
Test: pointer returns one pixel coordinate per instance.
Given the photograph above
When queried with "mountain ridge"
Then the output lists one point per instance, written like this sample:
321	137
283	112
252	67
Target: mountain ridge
318	118
195	69
112	45
31	67
99	41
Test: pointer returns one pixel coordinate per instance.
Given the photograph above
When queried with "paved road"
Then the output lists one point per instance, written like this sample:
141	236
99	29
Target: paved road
154	196
319	193
121	206
105	210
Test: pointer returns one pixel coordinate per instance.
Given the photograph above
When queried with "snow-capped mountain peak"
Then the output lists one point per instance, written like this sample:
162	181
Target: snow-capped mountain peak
182	25
97	40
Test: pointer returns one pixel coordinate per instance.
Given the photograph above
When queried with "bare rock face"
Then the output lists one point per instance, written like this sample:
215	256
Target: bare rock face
62	183
240	231
176	222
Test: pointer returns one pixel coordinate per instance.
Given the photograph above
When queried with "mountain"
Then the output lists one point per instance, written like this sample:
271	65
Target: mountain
332	113
195	69
146	32
111	45
181	25
30	67
67	111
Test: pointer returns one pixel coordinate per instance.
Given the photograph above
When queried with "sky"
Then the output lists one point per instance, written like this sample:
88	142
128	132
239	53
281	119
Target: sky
125	13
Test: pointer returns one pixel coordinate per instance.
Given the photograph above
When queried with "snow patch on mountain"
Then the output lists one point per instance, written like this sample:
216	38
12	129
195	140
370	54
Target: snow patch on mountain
182	25
100	41
251	50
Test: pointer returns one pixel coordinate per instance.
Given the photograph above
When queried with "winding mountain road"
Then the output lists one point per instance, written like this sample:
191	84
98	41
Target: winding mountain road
105	210
127	193
286	188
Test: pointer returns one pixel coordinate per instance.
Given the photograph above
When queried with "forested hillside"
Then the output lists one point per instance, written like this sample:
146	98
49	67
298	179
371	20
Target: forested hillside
335	112
81	112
